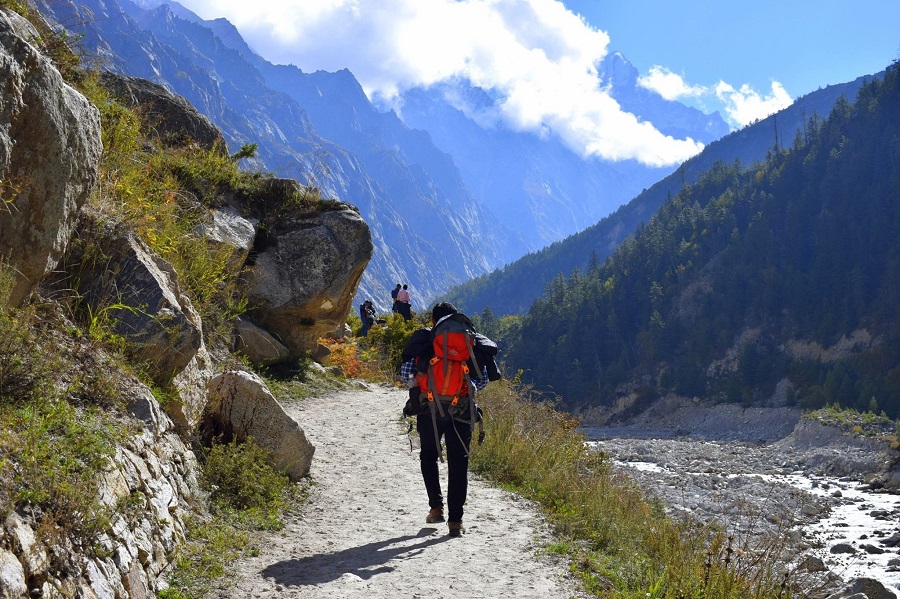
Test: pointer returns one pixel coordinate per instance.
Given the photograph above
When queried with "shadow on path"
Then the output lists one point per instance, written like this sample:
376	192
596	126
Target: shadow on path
360	561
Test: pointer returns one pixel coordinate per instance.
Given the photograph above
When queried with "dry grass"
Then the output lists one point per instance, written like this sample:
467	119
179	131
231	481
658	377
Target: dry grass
620	542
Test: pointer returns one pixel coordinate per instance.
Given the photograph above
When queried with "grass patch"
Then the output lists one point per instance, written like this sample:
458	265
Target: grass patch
246	496
620	542
55	442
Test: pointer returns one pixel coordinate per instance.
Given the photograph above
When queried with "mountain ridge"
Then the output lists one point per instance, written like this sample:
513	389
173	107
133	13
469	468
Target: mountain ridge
433	226
562	196
770	285
512	288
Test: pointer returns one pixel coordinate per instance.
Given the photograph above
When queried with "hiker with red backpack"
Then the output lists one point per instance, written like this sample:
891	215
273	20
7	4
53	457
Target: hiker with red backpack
444	366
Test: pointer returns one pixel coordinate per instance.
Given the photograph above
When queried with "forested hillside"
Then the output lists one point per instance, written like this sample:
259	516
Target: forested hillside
513	288
788	272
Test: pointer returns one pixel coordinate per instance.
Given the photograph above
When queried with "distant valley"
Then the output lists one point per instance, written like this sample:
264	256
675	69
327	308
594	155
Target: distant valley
446	199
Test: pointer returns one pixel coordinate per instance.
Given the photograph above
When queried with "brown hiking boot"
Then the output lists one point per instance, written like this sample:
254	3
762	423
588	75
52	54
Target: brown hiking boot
435	515
456	528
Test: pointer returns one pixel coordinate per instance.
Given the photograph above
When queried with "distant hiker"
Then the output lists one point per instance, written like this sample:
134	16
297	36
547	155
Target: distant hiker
395	306
403	303
367	316
443	403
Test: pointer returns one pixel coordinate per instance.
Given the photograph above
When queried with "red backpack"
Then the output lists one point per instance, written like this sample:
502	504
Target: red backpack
447	384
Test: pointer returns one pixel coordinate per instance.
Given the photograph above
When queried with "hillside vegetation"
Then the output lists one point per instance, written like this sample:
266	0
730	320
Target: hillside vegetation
786	272
513	288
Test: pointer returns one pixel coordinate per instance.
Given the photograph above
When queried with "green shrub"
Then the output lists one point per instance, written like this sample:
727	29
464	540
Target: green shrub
246	495
241	482
384	343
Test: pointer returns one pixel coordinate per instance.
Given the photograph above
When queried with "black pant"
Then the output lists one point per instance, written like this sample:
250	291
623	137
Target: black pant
405	310
457	463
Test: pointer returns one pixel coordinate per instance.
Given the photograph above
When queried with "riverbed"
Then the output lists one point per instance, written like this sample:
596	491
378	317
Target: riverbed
808	487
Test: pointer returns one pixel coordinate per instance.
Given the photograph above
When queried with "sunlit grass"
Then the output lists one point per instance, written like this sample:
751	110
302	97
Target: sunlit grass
620	542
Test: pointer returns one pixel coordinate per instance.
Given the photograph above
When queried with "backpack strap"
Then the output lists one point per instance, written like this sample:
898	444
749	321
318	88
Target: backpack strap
472	355
437	438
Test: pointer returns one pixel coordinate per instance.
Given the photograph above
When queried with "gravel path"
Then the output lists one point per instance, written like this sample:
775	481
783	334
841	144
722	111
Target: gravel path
362	532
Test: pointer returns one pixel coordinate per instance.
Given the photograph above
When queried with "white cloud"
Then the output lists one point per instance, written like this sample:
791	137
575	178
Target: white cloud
537	55
745	105
669	85
741	106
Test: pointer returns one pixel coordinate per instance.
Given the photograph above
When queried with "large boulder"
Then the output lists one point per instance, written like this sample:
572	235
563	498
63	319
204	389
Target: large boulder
260	347
863	587
240	406
50	149
165	115
128	288
306	271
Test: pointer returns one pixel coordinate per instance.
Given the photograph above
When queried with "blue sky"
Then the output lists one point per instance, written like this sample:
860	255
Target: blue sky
802	44
743	59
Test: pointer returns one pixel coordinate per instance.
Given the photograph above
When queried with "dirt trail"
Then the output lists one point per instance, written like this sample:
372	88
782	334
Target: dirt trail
362	532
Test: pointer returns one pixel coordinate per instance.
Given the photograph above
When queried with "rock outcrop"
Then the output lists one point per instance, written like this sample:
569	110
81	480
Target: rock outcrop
306	270
164	115
49	153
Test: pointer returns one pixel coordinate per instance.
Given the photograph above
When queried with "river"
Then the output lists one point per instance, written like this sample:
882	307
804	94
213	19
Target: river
806	487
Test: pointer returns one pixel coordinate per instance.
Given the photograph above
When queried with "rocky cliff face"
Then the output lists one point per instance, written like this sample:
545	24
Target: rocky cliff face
303	272
49	148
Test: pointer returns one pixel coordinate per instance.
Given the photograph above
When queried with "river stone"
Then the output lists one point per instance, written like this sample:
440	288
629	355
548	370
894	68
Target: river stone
843	548
865	588
811	563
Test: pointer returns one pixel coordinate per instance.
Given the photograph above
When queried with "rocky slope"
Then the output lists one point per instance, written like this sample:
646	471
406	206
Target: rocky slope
74	259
